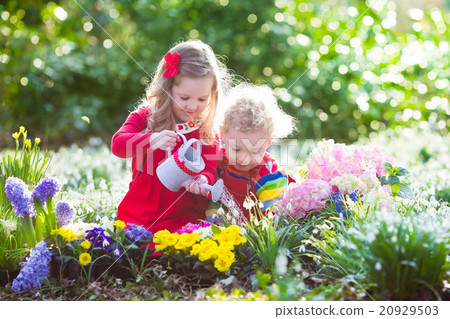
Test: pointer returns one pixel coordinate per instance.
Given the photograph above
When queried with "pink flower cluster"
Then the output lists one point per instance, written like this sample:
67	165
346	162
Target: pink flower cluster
330	160
190	228
306	195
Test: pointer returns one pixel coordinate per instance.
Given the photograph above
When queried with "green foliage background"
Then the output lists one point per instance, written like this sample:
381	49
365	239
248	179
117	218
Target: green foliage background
342	68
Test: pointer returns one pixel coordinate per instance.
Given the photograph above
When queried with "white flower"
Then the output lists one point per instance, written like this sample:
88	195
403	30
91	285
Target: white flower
220	211
105	243
106	223
117	251
9	226
248	203
80	228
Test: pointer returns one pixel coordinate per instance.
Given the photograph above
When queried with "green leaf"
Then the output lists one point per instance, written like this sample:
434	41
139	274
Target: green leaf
215	229
384	180
405	192
263	279
392	180
402	172
387	167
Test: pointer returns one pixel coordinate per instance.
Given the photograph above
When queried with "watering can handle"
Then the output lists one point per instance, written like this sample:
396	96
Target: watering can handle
169	152
184	147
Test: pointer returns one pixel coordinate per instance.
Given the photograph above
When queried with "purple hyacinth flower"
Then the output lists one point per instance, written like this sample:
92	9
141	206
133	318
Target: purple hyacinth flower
20	197
48	186
64	212
35	270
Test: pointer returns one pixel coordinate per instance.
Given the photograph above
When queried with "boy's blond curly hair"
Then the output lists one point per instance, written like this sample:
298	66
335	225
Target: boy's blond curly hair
248	107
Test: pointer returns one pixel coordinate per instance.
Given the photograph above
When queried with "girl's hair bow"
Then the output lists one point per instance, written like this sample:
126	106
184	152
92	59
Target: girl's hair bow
171	64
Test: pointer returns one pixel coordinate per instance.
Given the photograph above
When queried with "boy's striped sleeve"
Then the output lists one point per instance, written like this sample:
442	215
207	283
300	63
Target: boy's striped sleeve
269	187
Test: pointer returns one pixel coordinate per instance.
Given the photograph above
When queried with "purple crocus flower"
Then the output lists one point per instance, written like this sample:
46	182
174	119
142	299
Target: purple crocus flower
64	212
35	270
48	186
20	197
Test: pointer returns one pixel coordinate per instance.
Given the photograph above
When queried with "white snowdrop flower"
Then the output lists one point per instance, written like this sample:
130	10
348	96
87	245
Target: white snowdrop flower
264	224
260	205
378	266
315	231
220	211
281	263
270	215
302	249
248	203
105	243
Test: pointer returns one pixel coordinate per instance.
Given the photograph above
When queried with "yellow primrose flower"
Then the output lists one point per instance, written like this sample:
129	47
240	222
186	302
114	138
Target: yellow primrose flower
172	239
119	224
206	253
22	130
37	140
222	264
195	249
28	143
85	259
86	244
16	135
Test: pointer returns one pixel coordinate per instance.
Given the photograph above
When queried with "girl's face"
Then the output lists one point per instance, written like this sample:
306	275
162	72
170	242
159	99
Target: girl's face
191	97
245	150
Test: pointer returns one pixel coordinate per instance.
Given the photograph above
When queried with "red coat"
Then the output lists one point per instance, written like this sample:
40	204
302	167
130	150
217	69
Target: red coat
148	202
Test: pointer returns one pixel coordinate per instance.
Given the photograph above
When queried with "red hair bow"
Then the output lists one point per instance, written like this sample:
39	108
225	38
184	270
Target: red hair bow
171	64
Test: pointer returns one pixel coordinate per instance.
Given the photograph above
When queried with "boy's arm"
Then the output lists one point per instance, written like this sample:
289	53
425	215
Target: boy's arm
130	141
271	182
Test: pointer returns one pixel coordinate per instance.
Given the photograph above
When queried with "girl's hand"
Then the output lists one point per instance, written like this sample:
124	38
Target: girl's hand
194	185
165	140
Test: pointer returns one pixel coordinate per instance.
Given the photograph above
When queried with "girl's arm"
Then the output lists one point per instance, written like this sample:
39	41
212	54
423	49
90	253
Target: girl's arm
130	140
211	157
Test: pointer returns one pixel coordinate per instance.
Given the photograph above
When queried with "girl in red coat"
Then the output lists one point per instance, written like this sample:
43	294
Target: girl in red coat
182	98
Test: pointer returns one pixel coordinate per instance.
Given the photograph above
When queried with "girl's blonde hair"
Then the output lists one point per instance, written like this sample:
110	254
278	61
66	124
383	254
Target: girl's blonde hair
197	59
249	107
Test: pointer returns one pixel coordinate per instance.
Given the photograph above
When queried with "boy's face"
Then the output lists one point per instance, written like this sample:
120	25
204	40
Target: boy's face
245	150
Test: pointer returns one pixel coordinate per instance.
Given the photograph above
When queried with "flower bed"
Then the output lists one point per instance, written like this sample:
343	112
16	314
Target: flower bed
328	226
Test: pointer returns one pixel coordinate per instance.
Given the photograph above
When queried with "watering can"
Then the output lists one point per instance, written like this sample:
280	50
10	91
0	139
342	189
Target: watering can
181	166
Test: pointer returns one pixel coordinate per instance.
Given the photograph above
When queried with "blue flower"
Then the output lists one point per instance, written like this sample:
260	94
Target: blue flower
214	219
137	232
47	187
338	198
35	270
98	238
64	212
354	196
20	197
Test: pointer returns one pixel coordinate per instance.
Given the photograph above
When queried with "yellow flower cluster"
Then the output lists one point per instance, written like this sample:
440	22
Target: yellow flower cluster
119	225
165	239
66	233
219	249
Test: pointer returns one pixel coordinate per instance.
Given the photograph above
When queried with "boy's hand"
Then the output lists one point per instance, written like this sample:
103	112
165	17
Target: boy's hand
165	140
194	185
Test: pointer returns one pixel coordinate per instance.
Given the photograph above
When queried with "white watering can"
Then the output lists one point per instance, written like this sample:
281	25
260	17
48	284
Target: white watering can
181	166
